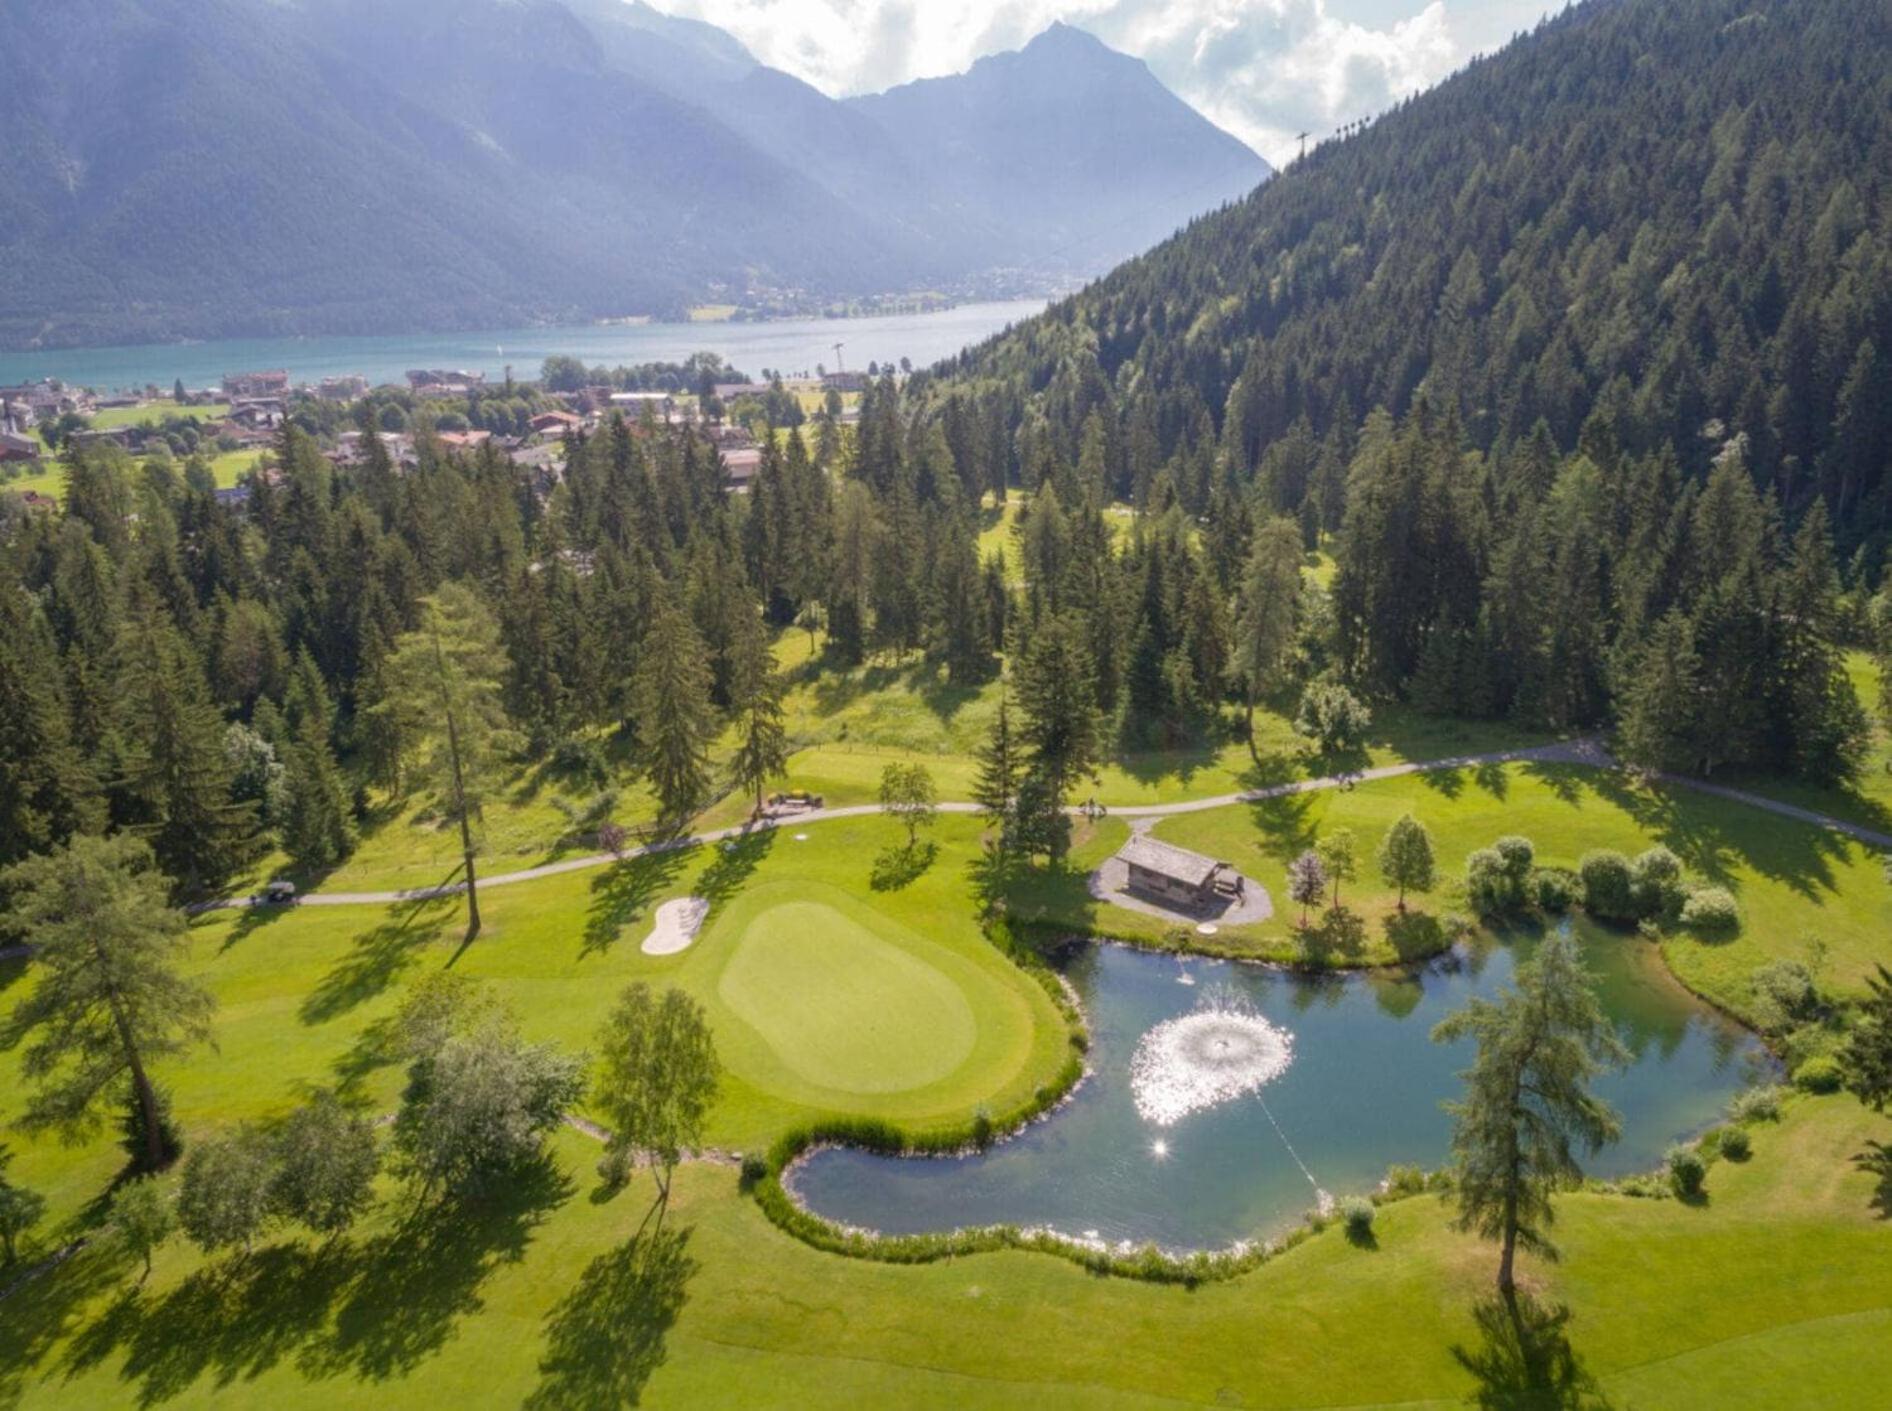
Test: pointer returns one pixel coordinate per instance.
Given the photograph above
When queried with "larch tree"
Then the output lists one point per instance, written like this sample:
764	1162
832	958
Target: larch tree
443	690
112	998
1528	1107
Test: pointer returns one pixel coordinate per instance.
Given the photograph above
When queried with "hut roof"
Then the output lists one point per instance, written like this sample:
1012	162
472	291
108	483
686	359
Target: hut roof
1168	860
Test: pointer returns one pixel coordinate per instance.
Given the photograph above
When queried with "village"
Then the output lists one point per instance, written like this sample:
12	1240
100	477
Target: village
238	420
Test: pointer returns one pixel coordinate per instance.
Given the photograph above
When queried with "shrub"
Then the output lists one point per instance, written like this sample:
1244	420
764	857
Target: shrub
1608	887
1332	716
1711	911
1736	1144
1819	1074
1687	1170
1784	994
1487	885
1556	887
1358	1215
754	1168
1404	1180
1760	1104
982	1129
1656	883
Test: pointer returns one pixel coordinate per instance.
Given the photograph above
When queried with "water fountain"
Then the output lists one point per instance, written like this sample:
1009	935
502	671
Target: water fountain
1219	1051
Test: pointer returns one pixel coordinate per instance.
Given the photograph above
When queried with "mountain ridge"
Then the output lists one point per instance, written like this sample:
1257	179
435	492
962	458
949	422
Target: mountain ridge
274	167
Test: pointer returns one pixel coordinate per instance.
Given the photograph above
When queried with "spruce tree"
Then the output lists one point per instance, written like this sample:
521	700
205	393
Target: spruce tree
174	778
675	720
1057	697
761	736
1271	595
996	789
46	792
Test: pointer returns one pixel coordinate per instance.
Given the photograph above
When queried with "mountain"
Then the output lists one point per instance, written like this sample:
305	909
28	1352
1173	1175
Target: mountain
1064	155
203	168
1662	220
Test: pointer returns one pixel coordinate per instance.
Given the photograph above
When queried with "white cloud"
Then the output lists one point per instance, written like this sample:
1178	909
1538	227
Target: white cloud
1263	69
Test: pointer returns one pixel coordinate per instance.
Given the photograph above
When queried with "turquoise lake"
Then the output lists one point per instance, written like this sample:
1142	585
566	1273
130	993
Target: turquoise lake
791	346
1361	1092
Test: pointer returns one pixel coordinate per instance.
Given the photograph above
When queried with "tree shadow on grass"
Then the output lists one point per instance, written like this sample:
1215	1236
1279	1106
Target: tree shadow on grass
1876	1161
623	891
377	958
1283	822
1524	1361
373	1309
735	862
43	1311
898	866
1337	934
251	920
1415	935
606	1337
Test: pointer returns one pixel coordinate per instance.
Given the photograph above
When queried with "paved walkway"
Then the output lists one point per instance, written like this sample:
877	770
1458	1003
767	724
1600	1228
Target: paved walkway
1581	752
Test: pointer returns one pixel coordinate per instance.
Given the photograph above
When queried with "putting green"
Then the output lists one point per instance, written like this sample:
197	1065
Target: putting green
843	1006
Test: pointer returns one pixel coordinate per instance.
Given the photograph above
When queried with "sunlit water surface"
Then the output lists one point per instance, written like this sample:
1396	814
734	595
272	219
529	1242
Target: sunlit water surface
1227	1096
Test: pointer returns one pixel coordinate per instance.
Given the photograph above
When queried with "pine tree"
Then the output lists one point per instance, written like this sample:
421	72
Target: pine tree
1527	1102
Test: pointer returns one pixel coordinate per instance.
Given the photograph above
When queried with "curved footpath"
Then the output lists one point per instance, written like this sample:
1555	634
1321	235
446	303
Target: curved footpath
1581	752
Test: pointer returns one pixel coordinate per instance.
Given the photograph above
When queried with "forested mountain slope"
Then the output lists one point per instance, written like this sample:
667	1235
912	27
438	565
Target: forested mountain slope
1675	211
200	168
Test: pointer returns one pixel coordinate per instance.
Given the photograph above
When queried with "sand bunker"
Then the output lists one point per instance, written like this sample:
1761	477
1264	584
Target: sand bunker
675	925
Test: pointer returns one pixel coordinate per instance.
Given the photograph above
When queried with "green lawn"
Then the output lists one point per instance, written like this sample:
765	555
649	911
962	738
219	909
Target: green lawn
226	466
1774	1293
913	1014
1794	882
829	996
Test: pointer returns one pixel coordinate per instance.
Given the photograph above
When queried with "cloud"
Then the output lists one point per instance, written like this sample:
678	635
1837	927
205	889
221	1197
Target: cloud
1263	69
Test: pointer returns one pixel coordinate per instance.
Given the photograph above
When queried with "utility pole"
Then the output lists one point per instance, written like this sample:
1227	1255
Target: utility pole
839	366
1303	145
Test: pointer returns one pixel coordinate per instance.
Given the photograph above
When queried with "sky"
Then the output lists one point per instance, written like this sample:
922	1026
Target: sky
1263	69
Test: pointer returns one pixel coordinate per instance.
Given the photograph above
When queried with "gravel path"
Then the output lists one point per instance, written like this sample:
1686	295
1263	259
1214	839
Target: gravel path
1583	752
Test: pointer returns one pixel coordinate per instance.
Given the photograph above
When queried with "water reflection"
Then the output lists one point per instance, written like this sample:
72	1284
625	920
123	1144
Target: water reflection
1362	1091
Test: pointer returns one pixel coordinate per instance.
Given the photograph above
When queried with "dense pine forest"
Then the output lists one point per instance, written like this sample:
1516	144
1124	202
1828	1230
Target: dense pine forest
1577	375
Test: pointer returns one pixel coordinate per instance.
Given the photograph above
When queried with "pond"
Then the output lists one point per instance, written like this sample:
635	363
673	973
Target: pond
1355	1086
